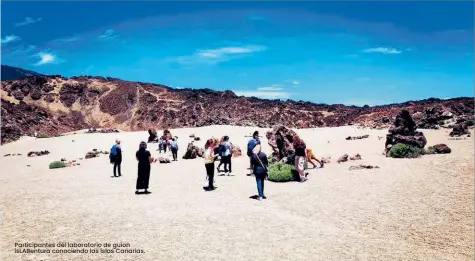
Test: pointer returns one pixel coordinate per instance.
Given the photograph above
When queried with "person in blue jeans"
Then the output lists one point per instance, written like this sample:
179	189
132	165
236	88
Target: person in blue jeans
260	164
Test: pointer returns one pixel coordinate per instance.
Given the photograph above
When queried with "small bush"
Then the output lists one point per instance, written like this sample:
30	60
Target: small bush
271	159
279	172
57	165
430	150
470	122
405	151
42	135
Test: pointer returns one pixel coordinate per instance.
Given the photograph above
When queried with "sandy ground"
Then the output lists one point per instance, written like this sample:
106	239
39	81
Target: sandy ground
409	209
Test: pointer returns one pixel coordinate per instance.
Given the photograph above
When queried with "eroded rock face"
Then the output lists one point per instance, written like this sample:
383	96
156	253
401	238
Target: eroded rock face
404	131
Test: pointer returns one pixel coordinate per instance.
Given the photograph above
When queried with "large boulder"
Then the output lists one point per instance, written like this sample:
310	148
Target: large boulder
440	149
404	131
192	151
280	139
152	135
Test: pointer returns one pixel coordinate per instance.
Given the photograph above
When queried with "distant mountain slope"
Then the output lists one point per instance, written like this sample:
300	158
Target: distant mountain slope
54	104
14	73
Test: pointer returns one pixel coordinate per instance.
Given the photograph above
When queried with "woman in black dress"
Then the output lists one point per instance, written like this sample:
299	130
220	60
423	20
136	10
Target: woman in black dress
144	158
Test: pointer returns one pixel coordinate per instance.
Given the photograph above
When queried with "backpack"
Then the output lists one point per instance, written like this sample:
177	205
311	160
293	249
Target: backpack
113	150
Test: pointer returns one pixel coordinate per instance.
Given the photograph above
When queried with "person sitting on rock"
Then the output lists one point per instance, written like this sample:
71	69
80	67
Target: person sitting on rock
311	157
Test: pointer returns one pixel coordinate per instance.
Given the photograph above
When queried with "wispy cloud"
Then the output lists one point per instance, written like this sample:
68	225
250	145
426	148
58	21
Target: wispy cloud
383	50
108	34
23	50
67	39
270	88
213	56
28	20
46	58
10	38
295	82
264	94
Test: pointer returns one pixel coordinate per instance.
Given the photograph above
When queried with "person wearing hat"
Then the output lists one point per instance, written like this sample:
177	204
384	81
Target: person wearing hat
144	159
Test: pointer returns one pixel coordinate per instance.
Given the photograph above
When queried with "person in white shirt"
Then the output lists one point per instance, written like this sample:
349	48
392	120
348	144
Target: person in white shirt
209	158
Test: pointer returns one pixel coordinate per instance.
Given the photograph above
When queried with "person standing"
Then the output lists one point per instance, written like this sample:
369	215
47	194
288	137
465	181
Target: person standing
250	146
174	149
260	163
209	158
116	157
144	159
227	153
300	157
164	145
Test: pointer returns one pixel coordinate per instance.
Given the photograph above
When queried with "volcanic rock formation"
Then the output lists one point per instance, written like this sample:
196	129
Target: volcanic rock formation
404	131
192	151
280	139
53	105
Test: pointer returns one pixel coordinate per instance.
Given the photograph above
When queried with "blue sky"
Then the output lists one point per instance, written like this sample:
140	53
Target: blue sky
325	52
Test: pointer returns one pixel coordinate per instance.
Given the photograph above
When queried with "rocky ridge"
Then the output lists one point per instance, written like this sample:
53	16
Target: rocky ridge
53	105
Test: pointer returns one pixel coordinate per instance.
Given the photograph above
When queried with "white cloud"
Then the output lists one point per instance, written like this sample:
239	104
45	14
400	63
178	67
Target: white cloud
10	38
28	20
270	88
383	50
295	82
45	58
68	39
108	34
264	94
214	56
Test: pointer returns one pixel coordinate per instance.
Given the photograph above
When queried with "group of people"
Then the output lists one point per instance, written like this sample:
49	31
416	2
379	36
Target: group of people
213	152
171	144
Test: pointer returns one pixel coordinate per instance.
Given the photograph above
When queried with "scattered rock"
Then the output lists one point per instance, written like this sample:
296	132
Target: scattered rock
164	160
357	137
28	165
459	129
192	136
356	157
343	158
63	159
94	153
236	151
93	130
197	139
363	167
325	160
37	153
439	149
404	131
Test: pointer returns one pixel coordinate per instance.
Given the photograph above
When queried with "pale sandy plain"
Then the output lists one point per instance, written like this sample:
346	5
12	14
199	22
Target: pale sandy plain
409	209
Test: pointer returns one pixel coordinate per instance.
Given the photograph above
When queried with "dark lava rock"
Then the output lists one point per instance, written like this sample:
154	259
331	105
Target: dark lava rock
404	131
459	130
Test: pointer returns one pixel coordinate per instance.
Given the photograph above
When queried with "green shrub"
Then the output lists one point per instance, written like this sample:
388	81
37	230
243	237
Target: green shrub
42	135
271	159
405	151
280	172
470	122
57	165
430	150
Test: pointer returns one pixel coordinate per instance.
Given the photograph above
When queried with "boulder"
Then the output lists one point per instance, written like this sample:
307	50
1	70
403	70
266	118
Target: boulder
404	131
356	157
152	136
192	151
37	153
459	129
343	158
439	149
164	160
280	139
357	137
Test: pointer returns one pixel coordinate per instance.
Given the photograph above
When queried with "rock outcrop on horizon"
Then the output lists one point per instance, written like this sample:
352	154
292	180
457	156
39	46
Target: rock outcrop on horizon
53	105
